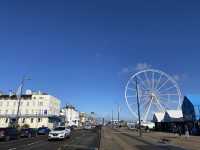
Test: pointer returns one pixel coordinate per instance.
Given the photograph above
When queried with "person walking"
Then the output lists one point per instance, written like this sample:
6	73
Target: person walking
187	134
179	131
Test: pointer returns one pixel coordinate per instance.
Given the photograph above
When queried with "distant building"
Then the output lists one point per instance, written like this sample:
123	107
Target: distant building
83	118
173	116
191	107
158	117
164	121
71	115
36	109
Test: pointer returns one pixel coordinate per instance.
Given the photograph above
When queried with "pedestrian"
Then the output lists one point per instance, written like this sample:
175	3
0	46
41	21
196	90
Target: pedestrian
187	135
174	130
179	131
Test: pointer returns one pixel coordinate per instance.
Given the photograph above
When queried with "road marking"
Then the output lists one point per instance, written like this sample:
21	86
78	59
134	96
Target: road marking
11	148
80	146
32	143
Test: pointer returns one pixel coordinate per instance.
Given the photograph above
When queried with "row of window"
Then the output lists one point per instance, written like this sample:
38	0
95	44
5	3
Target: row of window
22	98
24	120
33	103
26	112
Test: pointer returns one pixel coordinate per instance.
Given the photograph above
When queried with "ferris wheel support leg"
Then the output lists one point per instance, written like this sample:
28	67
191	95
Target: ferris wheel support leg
147	111
160	107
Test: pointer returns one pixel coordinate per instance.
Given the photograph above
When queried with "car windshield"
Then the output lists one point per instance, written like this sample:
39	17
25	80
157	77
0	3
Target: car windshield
59	129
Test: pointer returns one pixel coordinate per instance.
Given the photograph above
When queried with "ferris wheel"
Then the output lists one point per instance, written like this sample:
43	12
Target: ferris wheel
157	91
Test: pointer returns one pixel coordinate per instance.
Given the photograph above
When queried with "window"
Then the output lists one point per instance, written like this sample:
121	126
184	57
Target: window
27	111
31	120
23	120
14	103
6	120
7	103
21	103
40	103
41	97
27	104
39	119
33	103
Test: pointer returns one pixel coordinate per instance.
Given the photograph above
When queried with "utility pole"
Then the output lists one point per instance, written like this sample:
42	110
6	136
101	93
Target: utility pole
118	109
112	119
138	106
19	94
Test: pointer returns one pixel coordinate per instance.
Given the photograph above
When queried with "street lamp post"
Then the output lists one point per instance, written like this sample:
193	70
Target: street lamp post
19	94
118	111
138	106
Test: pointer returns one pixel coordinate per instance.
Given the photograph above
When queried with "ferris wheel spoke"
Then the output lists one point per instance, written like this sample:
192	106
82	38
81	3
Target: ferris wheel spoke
144	101
147	80
171	100
153	80
130	96
169	88
158	82
142	83
131	89
169	94
163	84
147	110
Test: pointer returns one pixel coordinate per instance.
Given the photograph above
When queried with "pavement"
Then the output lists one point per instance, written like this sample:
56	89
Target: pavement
80	140
124	139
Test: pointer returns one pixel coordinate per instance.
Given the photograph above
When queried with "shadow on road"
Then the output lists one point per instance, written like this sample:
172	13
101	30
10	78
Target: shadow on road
158	147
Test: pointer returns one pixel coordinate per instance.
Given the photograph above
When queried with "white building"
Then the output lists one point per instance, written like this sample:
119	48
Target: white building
168	116
36	109
71	115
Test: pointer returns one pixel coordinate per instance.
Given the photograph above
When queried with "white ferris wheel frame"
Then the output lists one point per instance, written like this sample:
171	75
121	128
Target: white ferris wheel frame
159	106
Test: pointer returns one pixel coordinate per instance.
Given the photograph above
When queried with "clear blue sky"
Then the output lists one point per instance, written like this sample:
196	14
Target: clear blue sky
79	51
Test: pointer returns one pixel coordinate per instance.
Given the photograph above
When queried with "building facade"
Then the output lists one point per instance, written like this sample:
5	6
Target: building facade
71	115
36	109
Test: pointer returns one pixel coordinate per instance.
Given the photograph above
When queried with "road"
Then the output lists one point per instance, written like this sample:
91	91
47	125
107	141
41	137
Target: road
80	140
115	139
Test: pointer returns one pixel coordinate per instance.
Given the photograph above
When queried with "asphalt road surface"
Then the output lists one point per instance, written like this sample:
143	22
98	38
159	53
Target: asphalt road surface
80	140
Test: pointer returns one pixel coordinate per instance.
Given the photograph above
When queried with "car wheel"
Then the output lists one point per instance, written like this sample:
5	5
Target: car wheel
7	138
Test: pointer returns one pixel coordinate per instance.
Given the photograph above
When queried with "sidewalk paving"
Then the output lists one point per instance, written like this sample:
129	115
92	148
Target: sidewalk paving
124	139
191	143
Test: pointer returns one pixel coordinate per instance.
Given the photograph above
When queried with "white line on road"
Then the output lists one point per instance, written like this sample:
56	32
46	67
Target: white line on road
11	148
33	143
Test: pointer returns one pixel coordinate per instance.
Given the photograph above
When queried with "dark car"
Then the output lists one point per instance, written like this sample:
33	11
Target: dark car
28	132
43	131
9	133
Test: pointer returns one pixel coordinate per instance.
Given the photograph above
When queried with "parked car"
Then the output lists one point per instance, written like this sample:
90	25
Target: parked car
28	132
87	127
73	127
9	133
43	131
59	133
